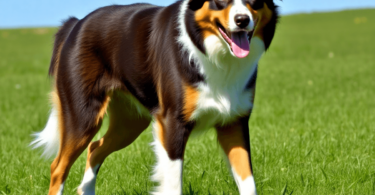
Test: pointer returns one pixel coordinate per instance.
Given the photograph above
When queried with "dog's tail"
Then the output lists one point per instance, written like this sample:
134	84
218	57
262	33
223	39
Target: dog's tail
49	138
60	37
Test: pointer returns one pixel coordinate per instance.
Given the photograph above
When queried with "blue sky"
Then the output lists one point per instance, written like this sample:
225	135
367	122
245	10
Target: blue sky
39	13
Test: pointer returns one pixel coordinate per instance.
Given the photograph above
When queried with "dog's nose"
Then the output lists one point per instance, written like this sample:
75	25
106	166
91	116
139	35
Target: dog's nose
242	20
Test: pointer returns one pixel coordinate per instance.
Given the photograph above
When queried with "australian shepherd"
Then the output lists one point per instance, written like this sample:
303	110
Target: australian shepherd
186	67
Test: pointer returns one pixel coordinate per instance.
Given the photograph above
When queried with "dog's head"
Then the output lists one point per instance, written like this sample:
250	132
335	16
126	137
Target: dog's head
234	22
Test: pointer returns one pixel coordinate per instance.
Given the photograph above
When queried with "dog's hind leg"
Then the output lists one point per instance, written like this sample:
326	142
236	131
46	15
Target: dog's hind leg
74	138
235	141
126	124
70	150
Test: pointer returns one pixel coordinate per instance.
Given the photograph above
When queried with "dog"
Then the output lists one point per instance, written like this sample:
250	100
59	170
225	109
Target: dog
186	67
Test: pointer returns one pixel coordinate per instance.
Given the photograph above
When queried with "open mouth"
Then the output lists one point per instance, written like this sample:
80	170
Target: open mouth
239	41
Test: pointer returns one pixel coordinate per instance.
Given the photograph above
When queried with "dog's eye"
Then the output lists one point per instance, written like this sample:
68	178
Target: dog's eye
256	4
218	4
195	4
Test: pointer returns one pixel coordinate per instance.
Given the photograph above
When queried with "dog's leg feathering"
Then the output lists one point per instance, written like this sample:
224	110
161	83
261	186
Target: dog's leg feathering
167	172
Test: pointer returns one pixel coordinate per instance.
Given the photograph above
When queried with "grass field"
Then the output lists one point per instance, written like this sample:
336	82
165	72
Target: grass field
312	129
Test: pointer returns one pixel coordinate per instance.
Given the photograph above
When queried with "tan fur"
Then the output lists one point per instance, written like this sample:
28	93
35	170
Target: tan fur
92	146
190	101
160	129
103	110
232	142
262	17
57	105
206	19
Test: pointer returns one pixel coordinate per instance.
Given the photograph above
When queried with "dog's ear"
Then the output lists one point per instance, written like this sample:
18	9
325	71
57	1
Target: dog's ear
196	4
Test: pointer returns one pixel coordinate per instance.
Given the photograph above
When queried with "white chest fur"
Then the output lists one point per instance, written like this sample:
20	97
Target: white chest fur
223	97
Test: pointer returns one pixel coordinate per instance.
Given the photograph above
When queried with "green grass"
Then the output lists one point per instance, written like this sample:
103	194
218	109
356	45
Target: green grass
312	129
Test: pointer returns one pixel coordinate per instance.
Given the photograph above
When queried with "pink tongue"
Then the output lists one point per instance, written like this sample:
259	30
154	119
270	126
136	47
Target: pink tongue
240	44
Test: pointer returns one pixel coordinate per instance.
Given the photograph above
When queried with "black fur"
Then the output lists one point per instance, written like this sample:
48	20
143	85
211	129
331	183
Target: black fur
270	28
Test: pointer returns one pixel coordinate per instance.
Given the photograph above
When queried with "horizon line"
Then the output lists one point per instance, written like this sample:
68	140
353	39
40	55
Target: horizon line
281	14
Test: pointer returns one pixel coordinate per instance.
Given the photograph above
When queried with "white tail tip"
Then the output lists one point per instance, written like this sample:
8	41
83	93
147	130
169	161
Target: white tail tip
49	138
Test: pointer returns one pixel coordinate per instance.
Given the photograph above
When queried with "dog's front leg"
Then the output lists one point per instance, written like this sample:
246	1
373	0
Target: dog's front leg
235	141
170	136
